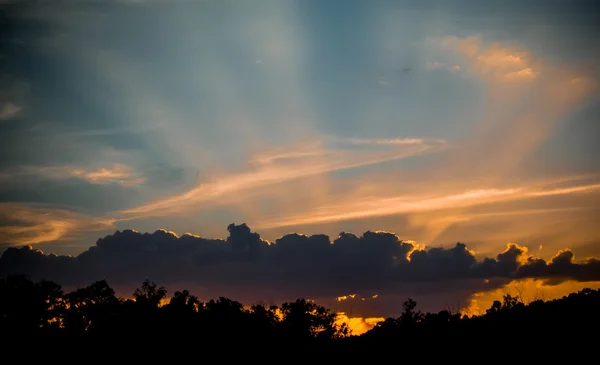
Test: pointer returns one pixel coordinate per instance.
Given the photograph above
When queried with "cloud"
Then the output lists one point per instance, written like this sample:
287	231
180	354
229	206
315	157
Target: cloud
526	96
115	174
391	142
382	81
561	265
370	205
442	66
373	266
29	224
12	96
284	165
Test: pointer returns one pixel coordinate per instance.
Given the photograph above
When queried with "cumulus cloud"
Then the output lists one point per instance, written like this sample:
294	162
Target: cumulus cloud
245	266
560	266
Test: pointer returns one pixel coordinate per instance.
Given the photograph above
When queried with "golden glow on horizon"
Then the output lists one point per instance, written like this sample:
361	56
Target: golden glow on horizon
357	325
528	290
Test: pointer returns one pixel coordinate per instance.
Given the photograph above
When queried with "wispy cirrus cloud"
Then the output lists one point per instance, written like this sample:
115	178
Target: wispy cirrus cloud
31	224
357	207
526	97
292	163
113	174
442	66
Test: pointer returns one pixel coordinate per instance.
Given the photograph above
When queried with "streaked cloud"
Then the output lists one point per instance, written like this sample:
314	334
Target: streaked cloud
31	224
114	174
277	167
389	205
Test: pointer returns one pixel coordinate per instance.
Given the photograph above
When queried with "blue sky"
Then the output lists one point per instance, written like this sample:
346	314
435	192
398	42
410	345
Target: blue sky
441	121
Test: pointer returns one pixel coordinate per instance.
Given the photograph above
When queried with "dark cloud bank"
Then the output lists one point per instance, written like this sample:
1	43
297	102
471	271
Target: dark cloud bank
247	268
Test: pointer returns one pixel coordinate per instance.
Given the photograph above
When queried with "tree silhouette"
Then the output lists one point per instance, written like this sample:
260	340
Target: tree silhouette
28	308
303	319
90	308
149	295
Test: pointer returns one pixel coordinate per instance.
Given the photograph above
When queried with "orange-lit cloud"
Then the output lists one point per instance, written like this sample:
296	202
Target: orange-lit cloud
388	205
31	224
527	96
116	173
285	166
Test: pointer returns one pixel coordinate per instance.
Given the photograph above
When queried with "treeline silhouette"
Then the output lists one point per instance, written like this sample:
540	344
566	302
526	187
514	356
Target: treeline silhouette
29	309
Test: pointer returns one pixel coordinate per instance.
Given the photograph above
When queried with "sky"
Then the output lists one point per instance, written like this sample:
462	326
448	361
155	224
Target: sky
129	127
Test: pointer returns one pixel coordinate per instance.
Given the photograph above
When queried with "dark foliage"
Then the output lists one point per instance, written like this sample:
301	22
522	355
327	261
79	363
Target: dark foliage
30	310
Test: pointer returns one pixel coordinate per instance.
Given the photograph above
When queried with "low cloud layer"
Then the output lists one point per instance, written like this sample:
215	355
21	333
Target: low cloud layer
245	266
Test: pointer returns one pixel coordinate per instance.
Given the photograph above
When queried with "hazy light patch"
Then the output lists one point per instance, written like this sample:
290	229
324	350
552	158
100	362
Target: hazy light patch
526	97
522	74
436	224
442	66
8	110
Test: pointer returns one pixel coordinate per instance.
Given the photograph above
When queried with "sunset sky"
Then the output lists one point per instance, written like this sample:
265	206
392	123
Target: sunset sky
439	121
